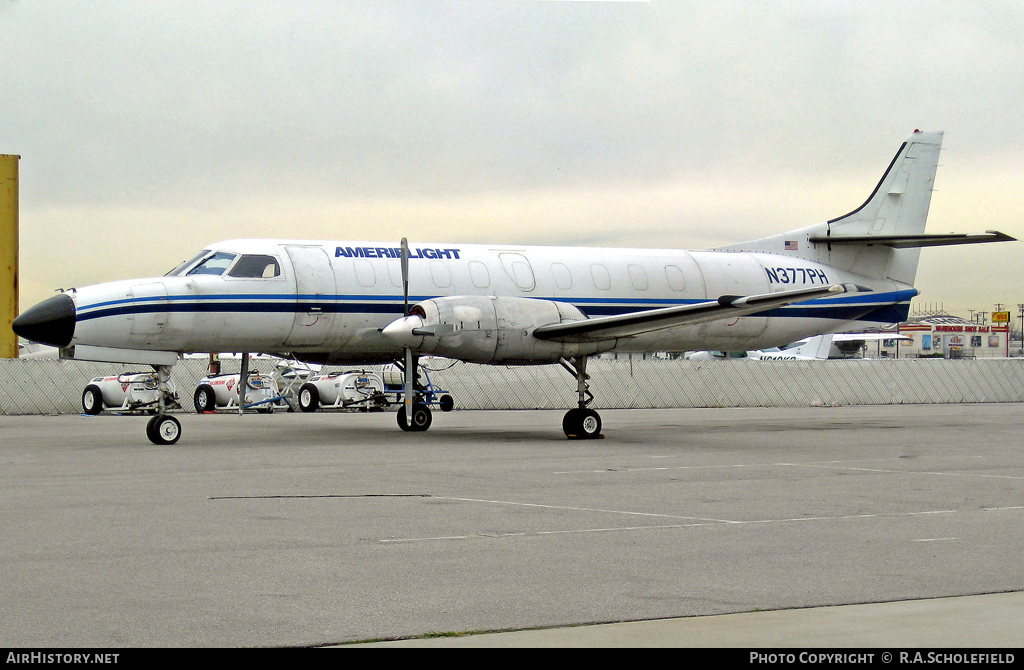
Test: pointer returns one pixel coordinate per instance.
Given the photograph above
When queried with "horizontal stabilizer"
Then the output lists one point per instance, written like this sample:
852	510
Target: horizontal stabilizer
912	241
725	307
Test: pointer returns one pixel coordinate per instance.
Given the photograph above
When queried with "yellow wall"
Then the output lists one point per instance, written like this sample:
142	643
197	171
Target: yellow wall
8	254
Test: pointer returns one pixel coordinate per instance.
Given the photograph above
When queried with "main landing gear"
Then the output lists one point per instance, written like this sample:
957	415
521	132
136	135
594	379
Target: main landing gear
581	423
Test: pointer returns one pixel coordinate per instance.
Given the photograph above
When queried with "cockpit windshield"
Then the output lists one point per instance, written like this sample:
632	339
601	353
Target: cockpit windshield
214	265
247	266
185	265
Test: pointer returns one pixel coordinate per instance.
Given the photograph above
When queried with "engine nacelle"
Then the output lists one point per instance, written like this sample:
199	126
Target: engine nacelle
489	329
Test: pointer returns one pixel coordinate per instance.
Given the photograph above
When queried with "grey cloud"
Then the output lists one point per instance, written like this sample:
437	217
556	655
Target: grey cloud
156	102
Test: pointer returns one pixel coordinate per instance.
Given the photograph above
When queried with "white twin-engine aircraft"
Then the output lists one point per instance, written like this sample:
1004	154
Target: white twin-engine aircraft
349	302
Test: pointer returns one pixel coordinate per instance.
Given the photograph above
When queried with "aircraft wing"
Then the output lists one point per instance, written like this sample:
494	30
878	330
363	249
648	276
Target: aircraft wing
868	337
726	307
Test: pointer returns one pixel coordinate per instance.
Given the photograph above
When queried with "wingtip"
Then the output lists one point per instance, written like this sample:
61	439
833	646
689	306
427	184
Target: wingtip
1001	236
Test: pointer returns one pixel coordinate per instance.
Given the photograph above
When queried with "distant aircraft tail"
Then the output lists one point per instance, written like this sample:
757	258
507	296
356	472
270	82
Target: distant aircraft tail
816	347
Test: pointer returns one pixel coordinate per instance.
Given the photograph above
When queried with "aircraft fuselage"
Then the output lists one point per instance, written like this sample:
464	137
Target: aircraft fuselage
329	301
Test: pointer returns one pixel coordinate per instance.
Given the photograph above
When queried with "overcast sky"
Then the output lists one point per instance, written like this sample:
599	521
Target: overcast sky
149	129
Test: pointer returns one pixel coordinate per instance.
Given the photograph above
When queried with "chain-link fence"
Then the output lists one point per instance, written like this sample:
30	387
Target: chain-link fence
42	386
51	386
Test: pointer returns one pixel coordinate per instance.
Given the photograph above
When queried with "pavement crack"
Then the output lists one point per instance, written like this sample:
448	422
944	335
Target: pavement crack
325	495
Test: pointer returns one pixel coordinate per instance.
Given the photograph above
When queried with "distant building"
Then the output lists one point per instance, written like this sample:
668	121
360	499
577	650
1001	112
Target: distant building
947	336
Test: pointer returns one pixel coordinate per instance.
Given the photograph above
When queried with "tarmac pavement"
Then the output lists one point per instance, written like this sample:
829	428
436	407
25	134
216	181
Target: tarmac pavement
838	526
992	621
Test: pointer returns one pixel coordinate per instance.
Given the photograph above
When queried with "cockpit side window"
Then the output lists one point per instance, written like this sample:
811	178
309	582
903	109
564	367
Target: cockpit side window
256	266
214	265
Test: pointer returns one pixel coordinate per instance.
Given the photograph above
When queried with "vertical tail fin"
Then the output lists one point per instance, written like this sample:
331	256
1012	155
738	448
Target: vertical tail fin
898	206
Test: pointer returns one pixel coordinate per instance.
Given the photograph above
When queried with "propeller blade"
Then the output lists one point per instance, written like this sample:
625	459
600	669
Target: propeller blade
405	274
408	389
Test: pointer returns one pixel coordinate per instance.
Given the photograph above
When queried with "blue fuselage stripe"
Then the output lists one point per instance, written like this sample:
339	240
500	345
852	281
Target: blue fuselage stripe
878	306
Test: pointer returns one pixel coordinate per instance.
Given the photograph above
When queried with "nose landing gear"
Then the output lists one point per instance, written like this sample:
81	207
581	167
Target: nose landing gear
421	418
163	429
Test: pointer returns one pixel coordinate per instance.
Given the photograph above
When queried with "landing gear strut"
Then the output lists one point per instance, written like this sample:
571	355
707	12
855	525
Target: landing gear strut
164	428
581	423
413	416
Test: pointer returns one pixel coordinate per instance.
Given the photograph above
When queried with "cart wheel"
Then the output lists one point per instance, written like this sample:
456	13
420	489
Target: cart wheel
205	399
309	398
446	403
92	400
163	429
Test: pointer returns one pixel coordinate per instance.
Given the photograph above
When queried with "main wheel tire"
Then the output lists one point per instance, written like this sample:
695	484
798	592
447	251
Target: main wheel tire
163	429
309	398
92	400
205	399
581	424
421	418
569	422
446	403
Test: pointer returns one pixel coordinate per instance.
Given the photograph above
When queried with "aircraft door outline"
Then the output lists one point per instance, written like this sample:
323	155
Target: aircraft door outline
315	289
148	321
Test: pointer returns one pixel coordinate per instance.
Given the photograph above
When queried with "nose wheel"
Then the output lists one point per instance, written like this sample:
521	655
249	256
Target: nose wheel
421	418
163	429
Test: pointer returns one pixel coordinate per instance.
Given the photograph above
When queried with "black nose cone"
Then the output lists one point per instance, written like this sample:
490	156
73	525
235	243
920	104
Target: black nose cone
50	322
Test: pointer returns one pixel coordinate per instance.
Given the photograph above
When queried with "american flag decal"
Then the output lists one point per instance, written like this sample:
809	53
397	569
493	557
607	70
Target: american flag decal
791	245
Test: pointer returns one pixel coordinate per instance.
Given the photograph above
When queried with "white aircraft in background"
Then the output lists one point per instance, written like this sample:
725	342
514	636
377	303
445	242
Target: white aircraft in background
349	302
817	348
809	349
35	350
850	345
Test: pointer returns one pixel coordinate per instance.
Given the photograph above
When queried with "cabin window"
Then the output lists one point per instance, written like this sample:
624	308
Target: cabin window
602	280
214	265
676	280
518	268
365	274
395	272
254	266
440	275
563	278
638	277
479	275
